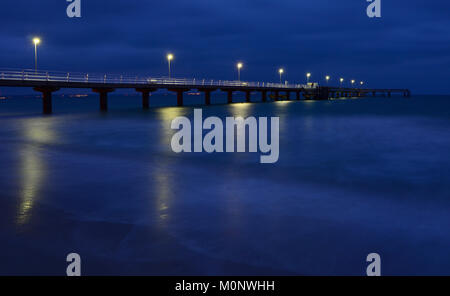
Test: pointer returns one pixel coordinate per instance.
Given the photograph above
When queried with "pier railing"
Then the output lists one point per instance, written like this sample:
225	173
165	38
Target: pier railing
74	77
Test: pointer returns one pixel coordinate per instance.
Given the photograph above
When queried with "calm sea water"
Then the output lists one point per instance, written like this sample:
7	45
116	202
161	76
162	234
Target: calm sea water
354	177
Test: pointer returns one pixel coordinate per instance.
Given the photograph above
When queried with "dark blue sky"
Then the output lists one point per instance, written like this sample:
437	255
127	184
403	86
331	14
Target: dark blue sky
409	47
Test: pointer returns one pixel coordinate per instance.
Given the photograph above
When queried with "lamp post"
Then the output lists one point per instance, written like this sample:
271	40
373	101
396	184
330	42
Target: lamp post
327	78
281	71
341	80
353	82
307	77
169	60
361	83
36	41
239	67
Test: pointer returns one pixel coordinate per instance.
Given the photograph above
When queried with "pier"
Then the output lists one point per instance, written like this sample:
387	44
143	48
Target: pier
47	82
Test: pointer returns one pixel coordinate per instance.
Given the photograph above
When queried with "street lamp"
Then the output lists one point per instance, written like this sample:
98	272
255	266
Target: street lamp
307	77
169	60
36	41
239	67
327	78
353	82
341	80
362	83
281	71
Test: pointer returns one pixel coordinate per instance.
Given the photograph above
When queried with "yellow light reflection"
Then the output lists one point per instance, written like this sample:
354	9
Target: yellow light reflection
162	184
166	115
36	131
161	174
282	103
241	109
32	176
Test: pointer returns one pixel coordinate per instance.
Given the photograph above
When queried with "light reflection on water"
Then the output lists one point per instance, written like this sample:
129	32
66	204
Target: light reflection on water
32	172
340	176
241	109
165	116
37	132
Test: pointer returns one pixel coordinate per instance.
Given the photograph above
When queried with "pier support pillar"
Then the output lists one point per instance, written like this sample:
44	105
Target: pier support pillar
103	92
322	93
179	92
288	95
229	96
277	95
389	94
179	98
374	93
46	98
264	96
207	95
103	101
145	96
207	98
297	96
248	95
145	100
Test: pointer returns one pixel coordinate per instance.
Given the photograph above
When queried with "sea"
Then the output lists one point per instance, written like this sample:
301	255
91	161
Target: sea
354	177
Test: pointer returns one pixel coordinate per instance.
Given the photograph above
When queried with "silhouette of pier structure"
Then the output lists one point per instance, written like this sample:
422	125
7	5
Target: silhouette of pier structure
47	82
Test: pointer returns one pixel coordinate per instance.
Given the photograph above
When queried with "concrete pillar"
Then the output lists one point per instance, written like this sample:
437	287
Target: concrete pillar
179	98
264	96
288	95
297	96
230	96
103	92
179	92
47	102
145	100
207	92
103	101
207	97
276	93
46	98
322	93
145	96
374	93
248	96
